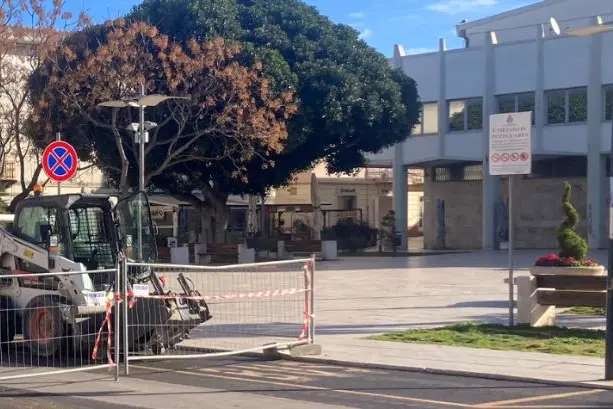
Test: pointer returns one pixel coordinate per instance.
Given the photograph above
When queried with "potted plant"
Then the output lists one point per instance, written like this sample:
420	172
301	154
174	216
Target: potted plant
572	257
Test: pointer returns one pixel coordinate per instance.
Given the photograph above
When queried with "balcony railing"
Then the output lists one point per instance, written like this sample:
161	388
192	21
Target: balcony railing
8	171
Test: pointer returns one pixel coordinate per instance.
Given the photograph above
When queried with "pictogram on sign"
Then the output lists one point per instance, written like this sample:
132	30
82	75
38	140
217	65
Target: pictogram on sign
60	161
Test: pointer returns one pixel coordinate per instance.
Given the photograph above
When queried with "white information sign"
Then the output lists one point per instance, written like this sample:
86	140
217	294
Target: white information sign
140	290
510	144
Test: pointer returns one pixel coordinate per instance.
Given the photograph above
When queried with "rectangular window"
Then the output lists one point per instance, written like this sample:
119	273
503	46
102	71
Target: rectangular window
556	107
506	104
608	102
457	114
567	106
577	105
474	113
456	173
523	102
428	120
466	114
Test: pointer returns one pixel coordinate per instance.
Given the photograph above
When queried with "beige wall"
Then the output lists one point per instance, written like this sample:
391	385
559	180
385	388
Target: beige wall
85	181
381	205
330	191
372	188
537	211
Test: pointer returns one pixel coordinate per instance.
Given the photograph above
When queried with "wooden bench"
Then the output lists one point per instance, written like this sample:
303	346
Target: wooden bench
220	253
303	247
163	255
538	296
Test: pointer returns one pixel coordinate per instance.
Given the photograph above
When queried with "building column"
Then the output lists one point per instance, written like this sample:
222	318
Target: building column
491	184
540	104
443	114
400	195
595	165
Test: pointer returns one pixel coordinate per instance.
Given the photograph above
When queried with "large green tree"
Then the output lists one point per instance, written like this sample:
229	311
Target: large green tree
351	103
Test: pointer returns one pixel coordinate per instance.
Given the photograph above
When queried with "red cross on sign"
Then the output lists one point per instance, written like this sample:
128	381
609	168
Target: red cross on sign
60	161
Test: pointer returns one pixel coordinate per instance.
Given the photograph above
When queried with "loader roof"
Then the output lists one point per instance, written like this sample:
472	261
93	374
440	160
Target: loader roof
65	201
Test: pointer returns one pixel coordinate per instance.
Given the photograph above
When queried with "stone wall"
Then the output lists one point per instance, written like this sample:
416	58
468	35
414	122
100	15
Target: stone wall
537	209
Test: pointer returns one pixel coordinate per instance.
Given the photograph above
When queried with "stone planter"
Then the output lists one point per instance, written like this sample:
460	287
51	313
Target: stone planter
569	271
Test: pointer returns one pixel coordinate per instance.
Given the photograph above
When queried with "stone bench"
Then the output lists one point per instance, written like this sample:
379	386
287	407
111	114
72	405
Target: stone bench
538	296
325	249
223	253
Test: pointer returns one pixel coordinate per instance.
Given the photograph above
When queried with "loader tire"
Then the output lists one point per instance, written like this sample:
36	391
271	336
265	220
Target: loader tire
43	328
7	322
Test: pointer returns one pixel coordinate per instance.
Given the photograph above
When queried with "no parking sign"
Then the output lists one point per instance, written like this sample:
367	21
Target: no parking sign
60	161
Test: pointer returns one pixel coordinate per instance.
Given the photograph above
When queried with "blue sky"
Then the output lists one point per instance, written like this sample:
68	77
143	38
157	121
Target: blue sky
416	24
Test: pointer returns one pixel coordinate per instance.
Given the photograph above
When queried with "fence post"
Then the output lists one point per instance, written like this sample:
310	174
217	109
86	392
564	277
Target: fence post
311	288
116	304
124	279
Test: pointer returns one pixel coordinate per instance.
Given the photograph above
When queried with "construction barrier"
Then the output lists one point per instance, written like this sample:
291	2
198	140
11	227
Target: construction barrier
45	328
162	311
244	308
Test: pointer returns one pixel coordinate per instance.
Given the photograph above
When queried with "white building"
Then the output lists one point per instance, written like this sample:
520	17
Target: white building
512	62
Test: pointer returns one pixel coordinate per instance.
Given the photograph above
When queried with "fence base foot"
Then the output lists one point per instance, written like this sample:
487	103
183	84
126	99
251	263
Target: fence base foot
305	350
296	351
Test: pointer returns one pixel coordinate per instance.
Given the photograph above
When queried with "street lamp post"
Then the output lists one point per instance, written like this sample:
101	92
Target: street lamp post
141	134
598	28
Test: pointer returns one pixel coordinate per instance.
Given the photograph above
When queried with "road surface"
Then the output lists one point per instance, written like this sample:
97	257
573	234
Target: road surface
235	382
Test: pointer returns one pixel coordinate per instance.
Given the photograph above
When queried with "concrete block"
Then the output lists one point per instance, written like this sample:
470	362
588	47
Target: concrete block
281	252
295	351
199	254
329	250
179	255
305	350
245	254
528	310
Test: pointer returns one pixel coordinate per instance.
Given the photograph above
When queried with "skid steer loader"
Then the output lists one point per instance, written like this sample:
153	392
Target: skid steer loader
86	233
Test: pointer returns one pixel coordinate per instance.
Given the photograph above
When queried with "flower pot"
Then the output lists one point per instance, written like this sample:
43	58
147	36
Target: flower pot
570	271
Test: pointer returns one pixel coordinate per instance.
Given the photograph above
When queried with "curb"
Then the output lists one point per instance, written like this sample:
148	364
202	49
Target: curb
282	354
448	372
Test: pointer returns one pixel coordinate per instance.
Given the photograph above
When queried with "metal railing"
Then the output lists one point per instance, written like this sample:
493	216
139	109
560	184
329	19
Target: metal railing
205	311
151	311
44	332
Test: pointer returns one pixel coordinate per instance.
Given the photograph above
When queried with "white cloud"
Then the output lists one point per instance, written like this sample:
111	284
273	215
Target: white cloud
460	6
357	14
419	50
366	33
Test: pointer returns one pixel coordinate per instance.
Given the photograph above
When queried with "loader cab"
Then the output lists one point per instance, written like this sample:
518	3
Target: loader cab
79	225
87	228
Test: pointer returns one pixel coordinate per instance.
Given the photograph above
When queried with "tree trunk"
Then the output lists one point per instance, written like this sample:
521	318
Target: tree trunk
216	205
28	189
222	215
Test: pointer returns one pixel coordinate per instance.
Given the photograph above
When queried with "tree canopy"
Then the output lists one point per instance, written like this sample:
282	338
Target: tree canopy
229	111
350	102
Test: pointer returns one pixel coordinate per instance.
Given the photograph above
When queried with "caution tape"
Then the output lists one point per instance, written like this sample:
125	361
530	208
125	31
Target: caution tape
107	323
257	294
132	296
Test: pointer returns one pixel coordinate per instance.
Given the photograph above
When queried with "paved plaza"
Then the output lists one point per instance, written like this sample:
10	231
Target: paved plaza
357	297
370	295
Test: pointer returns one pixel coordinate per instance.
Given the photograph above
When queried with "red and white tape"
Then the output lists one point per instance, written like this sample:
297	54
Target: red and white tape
257	294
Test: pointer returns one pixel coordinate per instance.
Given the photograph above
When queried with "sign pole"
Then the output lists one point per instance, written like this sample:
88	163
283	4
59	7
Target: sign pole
511	244
510	154
608	363
58	137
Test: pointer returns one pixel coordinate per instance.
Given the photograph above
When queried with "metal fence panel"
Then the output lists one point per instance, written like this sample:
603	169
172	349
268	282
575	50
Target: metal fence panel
48	326
251	307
